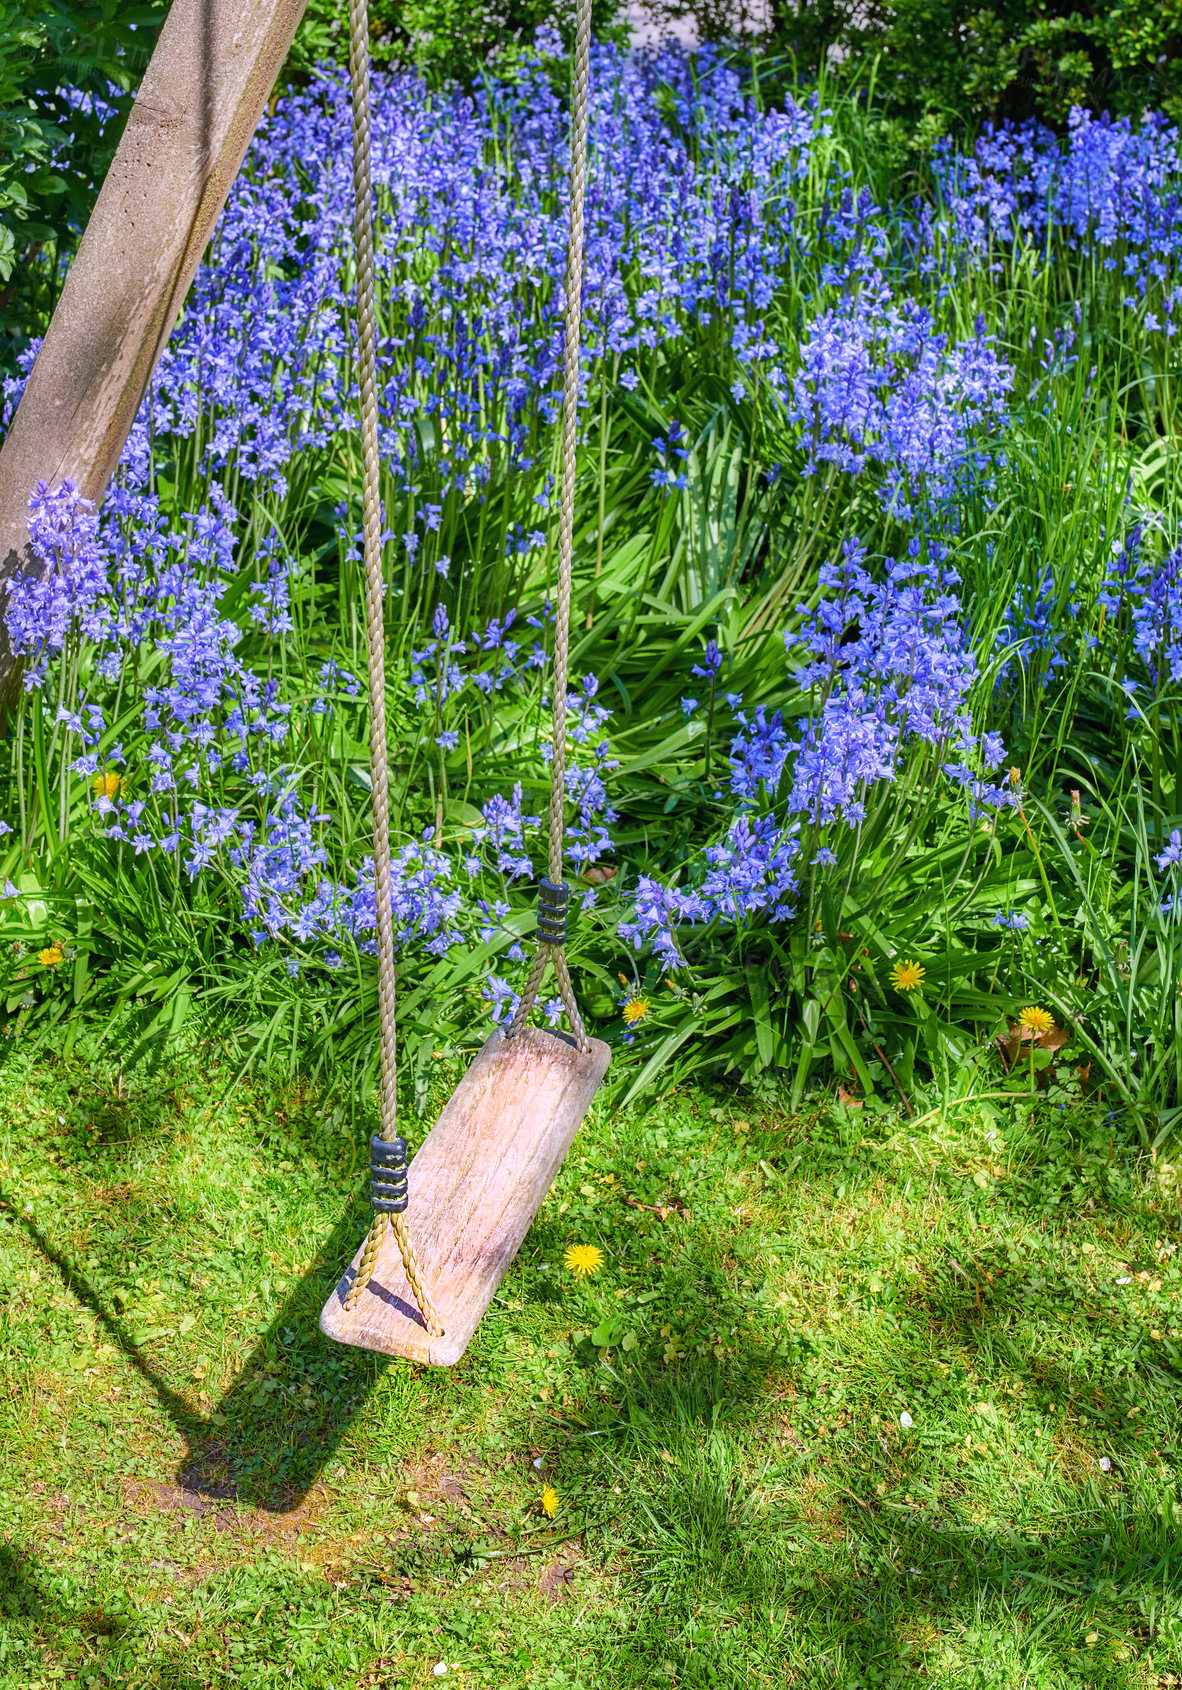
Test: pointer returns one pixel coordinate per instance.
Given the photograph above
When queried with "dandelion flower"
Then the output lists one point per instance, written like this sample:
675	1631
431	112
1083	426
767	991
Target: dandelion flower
583	1259
107	786
549	1502
1036	1020
50	956
636	1007
907	976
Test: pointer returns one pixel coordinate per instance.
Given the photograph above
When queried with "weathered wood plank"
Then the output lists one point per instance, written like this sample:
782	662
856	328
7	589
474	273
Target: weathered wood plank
475	1186
201	98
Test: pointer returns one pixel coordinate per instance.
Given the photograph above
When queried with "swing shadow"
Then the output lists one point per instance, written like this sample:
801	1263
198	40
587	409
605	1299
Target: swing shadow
187	1420
267	1441
294	1400
391	1300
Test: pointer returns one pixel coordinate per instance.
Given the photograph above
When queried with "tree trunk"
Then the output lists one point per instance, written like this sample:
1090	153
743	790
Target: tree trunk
203	93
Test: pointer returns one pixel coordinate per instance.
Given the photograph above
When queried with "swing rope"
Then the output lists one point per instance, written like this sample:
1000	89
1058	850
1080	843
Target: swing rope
376	642
554	893
388	1153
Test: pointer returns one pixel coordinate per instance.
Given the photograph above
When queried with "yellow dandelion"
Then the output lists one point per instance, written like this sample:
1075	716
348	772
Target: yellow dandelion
1036	1020
549	1501
583	1259
107	786
50	956
907	976
636	1007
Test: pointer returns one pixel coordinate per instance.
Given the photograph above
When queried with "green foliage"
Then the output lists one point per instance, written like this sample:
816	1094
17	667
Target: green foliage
949	63
444	38
729	556
54	153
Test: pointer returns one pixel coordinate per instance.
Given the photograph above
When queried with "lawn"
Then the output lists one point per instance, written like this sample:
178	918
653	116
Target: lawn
852	1401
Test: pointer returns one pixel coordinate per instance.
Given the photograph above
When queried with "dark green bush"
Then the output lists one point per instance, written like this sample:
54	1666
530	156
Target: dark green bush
52	153
949	64
963	61
444	38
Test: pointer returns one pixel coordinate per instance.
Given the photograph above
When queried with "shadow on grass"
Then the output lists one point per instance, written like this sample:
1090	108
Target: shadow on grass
35	1606
179	1410
804	1568
886	1600
295	1399
722	1577
290	1406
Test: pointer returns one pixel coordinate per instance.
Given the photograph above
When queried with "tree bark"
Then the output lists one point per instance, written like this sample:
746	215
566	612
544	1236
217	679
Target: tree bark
203	93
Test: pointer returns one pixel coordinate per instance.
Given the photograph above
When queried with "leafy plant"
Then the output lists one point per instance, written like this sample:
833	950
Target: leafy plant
66	76
874	738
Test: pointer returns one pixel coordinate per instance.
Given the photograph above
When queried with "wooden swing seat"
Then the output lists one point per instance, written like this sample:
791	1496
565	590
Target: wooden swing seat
475	1185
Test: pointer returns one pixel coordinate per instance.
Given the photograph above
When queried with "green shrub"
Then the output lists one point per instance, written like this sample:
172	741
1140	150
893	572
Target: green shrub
947	64
1014	58
444	38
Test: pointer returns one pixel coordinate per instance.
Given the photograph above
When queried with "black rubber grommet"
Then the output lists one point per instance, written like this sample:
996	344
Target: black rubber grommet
553	920
387	1175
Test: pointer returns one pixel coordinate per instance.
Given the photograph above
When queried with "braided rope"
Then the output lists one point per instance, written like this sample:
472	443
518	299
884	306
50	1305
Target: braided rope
414	1274
566	525
369	1260
372	1249
375	631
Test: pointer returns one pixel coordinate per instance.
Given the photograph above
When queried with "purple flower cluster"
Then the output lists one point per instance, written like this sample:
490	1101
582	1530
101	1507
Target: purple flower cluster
888	665
181	625
748	875
687	219
1031	634
215	786
1112	188
880	384
1142	600
886	669
63	594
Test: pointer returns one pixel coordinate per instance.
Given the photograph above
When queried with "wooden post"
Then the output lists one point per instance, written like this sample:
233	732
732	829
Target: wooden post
203	93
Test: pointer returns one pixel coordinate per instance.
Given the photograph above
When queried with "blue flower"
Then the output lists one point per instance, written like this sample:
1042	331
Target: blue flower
1012	920
1171	857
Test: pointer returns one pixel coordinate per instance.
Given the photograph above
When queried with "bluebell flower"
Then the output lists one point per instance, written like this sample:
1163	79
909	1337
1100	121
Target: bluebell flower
711	662
1171	857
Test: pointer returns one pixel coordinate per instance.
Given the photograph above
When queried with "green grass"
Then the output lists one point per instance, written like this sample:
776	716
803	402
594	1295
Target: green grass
199	1490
